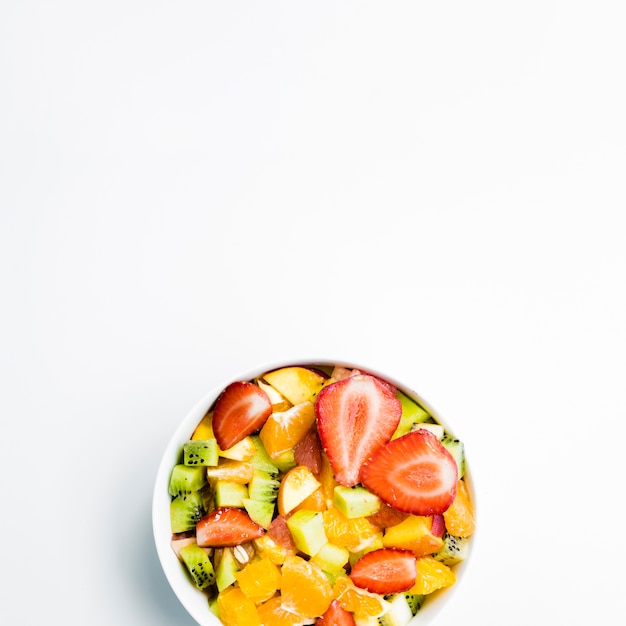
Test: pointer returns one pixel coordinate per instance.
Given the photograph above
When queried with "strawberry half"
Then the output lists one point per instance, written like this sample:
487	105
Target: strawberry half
226	526
355	417
414	473
387	570
241	409
336	615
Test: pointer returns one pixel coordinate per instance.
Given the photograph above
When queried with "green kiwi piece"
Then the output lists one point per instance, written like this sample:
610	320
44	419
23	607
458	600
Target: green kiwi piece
186	512
263	487
199	565
454	549
457	450
262	460
201	452
185	479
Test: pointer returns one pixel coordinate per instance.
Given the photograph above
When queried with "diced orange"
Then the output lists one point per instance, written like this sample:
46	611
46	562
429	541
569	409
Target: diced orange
459	517
284	429
227	469
359	601
432	575
306	590
259	580
235	609
268	548
413	533
349	533
271	613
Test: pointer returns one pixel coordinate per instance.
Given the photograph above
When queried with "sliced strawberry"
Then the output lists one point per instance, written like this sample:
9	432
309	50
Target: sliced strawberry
308	451
336	615
241	409
387	570
414	473
226	526
355	417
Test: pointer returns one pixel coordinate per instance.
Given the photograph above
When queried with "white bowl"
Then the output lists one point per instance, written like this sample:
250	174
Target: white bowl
194	600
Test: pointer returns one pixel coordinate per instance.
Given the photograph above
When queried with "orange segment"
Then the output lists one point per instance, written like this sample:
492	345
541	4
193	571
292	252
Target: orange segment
259	580
204	430
271	613
459	517
413	533
432	575
266	547
353	533
236	471
235	609
361	602
314	502
284	429
305	589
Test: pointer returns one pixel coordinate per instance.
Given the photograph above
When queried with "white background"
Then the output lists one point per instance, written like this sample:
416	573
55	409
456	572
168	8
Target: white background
190	189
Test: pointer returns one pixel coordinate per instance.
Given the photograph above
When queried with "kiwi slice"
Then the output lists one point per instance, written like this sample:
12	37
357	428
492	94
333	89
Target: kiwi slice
454	549
199	565
201	452
457	450
185	479
263	487
186	512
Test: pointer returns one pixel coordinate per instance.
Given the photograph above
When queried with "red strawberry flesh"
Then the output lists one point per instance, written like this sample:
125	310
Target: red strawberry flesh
226	526
336	615
414	473
387	570
355	417
241	409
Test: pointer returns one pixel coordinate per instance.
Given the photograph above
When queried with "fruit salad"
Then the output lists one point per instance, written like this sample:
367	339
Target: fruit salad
319	495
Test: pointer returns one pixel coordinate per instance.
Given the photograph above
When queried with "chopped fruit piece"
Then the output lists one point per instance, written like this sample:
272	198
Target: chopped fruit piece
243	450
199	565
180	541
459	517
327	480
279	532
240	410
201	452
297	384
385	571
230	493
185	480
361	602
259	580
355	501
412	413
336	615
415	534
455	549
272	613
355	417
307	530
431	575
226	527
305	589
279	402
414	474
235	609
349	533
235	471
308	451
204	430
435	429
227	567
387	516
331	558
297	484
438	527
283	430
268	548
315	502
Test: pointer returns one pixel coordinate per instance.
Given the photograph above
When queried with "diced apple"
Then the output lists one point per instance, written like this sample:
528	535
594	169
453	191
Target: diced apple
435	429
297	484
242	451
296	383
307	530
279	402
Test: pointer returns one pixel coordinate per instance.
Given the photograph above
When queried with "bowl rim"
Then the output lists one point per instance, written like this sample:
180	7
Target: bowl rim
195	601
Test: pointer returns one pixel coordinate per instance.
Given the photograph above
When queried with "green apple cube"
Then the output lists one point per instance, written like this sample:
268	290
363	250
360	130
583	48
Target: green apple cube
355	501
230	493
331	558
307	529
